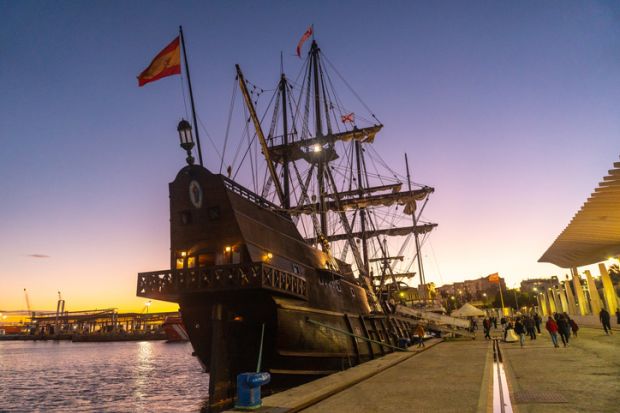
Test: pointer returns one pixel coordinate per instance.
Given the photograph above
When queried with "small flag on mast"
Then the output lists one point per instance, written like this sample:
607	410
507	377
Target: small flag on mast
166	63
350	117
493	278
303	39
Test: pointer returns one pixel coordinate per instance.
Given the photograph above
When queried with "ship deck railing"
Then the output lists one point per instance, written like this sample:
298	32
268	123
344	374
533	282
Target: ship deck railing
256	199
169	285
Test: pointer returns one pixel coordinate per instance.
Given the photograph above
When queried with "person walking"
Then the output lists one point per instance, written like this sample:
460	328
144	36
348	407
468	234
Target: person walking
618	316
538	322
419	332
486	325
520	330
563	329
573	326
529	327
552	328
494	320
508	326
605	320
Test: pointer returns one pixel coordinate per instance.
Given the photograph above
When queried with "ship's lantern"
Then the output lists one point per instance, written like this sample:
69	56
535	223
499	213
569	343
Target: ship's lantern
186	139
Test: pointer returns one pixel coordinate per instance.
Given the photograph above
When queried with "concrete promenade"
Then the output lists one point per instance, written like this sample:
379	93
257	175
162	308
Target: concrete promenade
583	377
457	376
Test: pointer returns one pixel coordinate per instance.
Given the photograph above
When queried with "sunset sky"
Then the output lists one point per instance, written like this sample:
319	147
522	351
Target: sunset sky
508	109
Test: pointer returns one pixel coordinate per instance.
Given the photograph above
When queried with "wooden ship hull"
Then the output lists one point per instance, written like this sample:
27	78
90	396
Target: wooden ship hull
238	265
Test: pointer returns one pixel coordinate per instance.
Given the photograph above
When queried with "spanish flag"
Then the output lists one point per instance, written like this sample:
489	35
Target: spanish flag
493	278
166	63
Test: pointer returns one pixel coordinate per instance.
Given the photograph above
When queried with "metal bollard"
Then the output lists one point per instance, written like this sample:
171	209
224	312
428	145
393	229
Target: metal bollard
248	390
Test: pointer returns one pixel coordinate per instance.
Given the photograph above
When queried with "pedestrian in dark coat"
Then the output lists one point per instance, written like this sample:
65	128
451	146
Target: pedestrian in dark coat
538	321
494	320
552	328
618	316
520	330
529	328
573	326
605	320
486	324
563	329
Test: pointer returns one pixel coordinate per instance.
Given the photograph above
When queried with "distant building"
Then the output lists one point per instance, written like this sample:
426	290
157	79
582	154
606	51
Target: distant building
471	289
539	284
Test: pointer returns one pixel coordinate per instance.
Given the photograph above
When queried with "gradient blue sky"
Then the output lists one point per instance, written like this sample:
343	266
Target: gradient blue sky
509	109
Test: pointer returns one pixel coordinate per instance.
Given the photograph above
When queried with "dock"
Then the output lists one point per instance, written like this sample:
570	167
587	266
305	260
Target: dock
460	375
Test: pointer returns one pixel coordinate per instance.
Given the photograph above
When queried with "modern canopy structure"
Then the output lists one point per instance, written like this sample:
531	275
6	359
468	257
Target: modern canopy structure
593	235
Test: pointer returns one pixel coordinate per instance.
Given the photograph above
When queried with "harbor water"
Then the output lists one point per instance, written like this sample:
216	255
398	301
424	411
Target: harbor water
63	376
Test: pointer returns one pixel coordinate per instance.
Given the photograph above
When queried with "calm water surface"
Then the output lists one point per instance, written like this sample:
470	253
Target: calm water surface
146	376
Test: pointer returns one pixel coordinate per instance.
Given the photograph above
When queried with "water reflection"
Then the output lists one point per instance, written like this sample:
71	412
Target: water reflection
133	376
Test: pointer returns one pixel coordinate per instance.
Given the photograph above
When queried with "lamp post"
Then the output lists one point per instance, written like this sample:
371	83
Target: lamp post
516	300
186	139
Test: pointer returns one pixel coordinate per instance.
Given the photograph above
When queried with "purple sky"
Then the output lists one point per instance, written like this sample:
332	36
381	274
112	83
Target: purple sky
510	110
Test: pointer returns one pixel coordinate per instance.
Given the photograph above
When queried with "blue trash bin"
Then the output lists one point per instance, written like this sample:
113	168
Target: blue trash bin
248	390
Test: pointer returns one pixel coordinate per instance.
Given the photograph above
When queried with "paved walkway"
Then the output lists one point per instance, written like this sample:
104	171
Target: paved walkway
453	376
583	377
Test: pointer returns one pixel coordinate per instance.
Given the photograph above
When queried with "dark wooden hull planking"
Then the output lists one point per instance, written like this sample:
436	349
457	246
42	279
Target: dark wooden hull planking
237	263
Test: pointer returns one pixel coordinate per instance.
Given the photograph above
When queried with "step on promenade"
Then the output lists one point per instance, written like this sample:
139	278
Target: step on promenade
457	376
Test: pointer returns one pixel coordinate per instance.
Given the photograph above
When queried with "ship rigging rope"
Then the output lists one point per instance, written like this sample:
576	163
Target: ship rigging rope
250	141
181	84
197	118
230	112
350	88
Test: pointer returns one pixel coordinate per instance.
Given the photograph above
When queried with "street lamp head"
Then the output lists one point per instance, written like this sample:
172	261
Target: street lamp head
186	139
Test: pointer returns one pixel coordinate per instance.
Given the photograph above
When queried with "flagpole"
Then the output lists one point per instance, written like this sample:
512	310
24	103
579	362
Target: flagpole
501	296
191	96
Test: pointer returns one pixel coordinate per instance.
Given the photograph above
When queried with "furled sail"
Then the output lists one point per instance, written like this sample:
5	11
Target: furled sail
397	231
406	198
303	149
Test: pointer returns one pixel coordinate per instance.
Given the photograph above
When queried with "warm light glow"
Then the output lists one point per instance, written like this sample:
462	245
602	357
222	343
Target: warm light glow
317	148
484	294
402	294
148	304
227	248
238	318
452	297
183	253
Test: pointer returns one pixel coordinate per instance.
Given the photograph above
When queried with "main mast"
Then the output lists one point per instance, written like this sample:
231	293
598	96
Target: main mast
286	202
358	157
314	68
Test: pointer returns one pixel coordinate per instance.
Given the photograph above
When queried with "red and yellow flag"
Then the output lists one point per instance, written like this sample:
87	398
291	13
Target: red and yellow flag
303	39
166	63
493	278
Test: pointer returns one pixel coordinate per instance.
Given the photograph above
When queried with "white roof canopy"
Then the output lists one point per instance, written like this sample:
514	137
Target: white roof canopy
593	235
468	310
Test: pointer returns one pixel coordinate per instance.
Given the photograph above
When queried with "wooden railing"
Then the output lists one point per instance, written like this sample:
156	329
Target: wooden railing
170	284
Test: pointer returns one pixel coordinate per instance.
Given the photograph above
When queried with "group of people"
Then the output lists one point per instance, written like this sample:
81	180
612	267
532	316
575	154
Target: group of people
563	325
521	326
